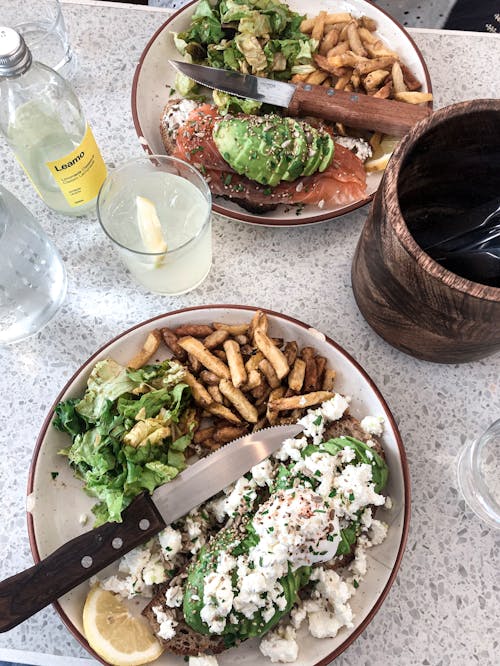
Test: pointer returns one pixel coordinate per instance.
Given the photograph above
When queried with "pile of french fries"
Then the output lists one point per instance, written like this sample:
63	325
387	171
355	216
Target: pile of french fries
241	378
350	56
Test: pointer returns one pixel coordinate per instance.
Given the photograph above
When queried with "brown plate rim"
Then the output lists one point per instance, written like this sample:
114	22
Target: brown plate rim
260	219
404	464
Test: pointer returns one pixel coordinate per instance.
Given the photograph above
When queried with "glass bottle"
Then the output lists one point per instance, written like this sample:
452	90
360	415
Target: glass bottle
43	123
32	274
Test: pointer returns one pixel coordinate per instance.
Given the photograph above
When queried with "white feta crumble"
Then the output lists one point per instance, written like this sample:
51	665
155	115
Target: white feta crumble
235	501
358	490
218	601
388	503
174	596
203	660
358	566
263	473
359	147
373	425
334	408
291	449
280	645
170	542
166	622
336	612
377	532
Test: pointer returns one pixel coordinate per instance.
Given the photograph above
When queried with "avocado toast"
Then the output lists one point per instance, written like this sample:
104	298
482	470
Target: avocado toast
272	543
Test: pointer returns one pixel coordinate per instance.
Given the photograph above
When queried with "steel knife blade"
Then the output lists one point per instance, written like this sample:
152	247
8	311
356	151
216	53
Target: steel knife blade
27	592
356	110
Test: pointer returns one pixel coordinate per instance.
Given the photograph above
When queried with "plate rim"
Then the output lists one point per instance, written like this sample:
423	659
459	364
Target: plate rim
248	217
395	430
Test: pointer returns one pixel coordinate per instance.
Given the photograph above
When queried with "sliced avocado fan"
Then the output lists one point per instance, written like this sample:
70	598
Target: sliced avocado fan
270	149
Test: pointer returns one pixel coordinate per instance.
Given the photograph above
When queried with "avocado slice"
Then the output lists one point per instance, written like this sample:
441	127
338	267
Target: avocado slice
314	150
297	150
328	149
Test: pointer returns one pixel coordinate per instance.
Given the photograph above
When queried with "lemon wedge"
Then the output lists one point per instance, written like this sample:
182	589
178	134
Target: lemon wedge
115	634
382	154
150	228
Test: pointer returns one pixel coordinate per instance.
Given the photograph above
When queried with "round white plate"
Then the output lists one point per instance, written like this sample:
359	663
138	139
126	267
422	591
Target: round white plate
154	77
56	504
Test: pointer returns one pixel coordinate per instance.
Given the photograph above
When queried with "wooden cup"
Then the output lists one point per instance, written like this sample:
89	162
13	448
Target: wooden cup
408	298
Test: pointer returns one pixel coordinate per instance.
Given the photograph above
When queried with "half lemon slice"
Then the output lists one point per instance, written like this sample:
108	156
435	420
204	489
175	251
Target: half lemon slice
150	228
382	154
115	634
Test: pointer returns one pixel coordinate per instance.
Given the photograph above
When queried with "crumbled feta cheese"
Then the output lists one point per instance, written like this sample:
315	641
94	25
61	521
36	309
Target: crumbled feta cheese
355	483
218	601
280	645
166	622
334	408
359	147
291	449
358	566
226	562
378	532
174	596
241	497
170	542
373	425
388	503
263	473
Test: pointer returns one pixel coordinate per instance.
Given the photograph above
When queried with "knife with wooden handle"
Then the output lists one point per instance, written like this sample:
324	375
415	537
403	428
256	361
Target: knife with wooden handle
27	592
304	99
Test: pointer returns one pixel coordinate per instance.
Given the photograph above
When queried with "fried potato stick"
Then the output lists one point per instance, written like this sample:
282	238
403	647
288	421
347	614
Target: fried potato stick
235	362
238	400
149	348
274	355
204	356
300	401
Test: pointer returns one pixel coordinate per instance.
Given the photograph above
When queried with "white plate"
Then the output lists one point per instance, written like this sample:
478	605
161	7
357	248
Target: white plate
57	503
154	77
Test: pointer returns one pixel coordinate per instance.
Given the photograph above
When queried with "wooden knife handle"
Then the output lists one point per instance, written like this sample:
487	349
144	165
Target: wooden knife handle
25	593
356	109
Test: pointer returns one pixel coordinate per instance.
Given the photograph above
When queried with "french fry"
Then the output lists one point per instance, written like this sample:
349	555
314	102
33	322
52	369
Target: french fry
149	348
316	78
206	358
330	40
300	401
347	59
297	374
195	330
412	83
338	49
320	370
254	379
216	409
194	364
290	351
215	339
398	79
203	434
385	91
215	393
232	329
367	23
241	339
378	50
342	82
259	322
318	27
209	378
268	371
373	80
272	414
311	372
274	355
171	340
200	394
221	354
238	400
253	361
355	40
367	66
235	362
413	97
228	433
328	379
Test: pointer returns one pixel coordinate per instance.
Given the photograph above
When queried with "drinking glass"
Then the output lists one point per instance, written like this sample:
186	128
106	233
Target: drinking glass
32	274
157	212
479	475
41	23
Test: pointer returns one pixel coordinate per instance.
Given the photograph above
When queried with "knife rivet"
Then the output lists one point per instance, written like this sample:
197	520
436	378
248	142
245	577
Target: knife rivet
117	543
144	524
308	87
86	561
330	92
354	98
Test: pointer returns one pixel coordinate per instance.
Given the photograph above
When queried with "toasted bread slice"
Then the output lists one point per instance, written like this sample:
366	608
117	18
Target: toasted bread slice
174	114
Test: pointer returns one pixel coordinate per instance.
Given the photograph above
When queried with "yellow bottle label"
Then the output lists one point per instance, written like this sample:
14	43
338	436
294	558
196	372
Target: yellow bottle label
81	173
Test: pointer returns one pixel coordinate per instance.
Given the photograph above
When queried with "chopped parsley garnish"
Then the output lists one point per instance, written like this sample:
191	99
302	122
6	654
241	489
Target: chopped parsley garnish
355	583
318	421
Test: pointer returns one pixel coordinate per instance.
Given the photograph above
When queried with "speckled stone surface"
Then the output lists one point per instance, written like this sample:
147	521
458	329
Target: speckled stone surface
444	607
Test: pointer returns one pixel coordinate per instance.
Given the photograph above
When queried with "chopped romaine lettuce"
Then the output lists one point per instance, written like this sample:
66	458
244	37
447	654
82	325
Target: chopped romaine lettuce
129	432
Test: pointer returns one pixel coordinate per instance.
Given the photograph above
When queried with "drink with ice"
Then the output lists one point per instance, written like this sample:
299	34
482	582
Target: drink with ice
157	212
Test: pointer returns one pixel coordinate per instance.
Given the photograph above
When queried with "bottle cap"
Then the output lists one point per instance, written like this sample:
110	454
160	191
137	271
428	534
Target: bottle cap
15	56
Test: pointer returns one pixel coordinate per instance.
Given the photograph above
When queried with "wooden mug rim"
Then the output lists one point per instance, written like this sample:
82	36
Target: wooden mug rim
394	216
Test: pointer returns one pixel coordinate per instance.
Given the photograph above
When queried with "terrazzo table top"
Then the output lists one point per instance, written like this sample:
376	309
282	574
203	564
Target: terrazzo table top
444	606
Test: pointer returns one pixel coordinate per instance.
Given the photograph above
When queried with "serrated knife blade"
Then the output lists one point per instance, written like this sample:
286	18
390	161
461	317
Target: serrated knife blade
354	109
77	560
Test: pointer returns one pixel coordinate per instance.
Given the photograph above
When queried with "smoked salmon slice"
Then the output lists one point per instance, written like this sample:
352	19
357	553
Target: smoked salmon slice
342	182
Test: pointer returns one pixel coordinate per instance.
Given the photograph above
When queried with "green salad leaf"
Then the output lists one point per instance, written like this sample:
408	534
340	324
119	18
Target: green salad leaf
260	37
128	432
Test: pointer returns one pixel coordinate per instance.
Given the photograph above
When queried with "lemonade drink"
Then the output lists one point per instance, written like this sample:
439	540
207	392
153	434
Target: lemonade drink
160	221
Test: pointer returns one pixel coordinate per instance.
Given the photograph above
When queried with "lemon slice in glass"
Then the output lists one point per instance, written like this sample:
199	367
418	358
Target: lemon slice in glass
115	634
150	229
382	154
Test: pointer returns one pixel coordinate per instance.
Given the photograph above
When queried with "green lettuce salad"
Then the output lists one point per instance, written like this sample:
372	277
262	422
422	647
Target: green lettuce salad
129	432
259	37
